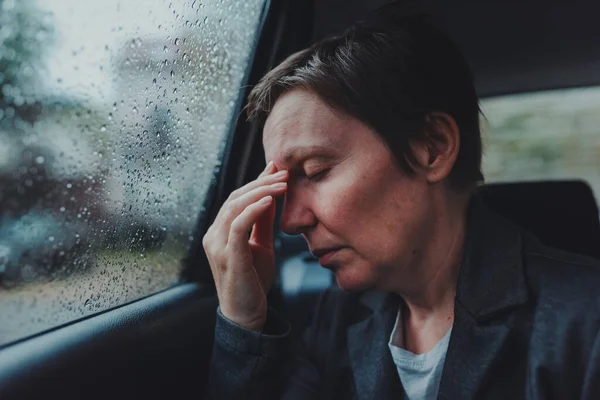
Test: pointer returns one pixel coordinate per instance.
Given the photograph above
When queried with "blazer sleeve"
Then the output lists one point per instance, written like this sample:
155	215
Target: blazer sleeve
591	383
253	365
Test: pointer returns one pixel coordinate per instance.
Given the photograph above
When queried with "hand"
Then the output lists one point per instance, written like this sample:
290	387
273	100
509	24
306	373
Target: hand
243	268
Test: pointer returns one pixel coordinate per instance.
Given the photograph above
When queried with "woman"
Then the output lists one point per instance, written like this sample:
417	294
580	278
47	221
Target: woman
374	142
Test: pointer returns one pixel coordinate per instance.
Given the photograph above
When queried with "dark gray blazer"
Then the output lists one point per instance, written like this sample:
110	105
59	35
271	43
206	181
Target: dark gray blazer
526	327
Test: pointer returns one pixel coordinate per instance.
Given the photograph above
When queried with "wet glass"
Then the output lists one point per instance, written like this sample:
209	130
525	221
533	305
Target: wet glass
114	115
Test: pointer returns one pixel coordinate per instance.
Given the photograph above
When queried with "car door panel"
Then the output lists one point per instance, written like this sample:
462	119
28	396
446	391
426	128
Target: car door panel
156	347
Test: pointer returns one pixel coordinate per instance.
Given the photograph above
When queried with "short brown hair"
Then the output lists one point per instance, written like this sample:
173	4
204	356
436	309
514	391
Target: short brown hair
390	73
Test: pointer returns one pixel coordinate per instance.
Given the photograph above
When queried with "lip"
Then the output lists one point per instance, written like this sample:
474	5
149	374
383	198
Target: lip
326	254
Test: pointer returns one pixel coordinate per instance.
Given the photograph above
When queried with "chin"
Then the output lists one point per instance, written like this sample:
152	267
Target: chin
353	281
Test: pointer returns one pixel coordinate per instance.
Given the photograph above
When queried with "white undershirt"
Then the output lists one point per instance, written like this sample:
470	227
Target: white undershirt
420	374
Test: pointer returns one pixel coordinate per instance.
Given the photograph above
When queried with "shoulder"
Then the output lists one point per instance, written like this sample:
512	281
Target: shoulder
564	287
563	273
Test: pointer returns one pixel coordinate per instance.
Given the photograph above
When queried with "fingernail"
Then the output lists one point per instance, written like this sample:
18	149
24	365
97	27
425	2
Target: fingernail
269	165
265	200
279	185
280	173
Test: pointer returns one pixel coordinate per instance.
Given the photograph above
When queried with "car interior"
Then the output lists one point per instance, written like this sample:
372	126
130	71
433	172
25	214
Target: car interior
157	343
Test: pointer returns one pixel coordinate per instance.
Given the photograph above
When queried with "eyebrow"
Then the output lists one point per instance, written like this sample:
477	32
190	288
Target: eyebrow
303	152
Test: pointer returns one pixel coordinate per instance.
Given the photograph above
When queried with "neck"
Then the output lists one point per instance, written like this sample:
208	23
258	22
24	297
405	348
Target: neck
434	276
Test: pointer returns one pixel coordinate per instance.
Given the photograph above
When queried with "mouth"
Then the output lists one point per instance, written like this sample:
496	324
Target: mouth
326	254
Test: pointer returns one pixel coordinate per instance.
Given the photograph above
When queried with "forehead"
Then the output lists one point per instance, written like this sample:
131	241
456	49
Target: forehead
300	120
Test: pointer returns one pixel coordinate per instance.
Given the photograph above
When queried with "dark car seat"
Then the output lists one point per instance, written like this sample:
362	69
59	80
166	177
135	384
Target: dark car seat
562	214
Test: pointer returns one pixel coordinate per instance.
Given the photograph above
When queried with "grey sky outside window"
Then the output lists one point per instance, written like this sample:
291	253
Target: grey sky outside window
113	119
546	135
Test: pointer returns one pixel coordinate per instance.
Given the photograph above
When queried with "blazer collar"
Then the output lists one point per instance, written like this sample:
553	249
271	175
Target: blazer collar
491	279
491	284
374	372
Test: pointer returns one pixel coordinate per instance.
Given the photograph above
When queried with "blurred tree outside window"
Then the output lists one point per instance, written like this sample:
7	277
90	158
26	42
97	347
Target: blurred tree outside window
546	135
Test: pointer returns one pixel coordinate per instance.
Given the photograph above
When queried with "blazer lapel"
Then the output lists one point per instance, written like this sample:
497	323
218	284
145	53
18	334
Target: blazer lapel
374	371
491	283
472	351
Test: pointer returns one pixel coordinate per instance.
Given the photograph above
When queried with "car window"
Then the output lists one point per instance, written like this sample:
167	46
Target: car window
114	115
543	136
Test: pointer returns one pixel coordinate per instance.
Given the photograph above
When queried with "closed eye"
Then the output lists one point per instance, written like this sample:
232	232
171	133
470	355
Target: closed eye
318	176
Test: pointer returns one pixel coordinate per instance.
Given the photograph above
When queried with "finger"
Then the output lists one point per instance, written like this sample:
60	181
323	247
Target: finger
265	180
232	209
238	234
236	207
262	231
269	169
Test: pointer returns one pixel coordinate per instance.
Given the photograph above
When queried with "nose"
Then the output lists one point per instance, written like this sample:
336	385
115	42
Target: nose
297	216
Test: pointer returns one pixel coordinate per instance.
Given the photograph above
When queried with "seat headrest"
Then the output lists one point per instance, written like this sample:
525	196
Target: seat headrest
562	214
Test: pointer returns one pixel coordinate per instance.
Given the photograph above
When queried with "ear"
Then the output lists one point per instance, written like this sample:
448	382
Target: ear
436	153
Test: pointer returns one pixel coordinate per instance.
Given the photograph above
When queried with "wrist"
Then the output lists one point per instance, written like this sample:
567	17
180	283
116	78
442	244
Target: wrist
254	324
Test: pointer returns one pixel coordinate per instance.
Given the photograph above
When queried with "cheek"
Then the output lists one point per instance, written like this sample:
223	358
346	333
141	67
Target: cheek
377	214
350	207
336	206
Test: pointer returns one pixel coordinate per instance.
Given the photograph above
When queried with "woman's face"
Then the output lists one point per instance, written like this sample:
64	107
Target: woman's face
346	193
